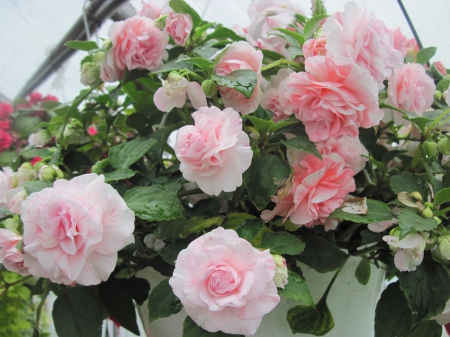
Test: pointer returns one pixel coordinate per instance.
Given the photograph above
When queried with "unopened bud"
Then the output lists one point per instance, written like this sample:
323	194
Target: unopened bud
281	273
48	173
25	173
38	165
444	146
430	148
395	232
12	224
416	195
427	213
90	74
160	22
40	138
209	88
444	247
99	57
437	95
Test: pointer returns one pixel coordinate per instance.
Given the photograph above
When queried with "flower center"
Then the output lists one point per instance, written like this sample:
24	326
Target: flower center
223	280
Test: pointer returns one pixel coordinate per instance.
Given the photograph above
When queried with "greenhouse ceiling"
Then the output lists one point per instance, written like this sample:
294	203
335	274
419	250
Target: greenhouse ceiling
31	29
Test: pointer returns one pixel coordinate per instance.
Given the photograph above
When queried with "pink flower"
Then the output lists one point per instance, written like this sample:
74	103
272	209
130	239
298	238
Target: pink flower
4	125
178	26
363	39
10	256
399	41
315	47
150	9
215	151
137	44
109	71
240	55
318	188
224	283
408	251
409	89
5	140
6	184
412	47
174	92
35	97
72	232
271	99
50	98
92	130
345	149
15	198
5	110
332	98
440	67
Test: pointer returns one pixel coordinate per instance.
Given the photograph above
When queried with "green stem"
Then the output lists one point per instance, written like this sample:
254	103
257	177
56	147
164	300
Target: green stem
7	285
189	192
438	119
325	294
216	102
295	65
367	250
237	195
41	304
191	73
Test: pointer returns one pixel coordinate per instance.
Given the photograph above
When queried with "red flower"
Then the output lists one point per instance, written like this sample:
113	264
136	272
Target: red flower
4	125
5	140
35	160
5	110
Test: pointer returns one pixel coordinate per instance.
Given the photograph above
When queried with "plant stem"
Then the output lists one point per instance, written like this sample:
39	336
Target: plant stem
366	250
189	192
325	294
41	304
238	194
7	285
347	232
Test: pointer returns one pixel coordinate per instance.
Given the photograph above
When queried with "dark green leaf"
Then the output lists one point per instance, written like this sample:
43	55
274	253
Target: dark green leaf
292	37
235	219
428	329
297	289
265	175
205	52
388	156
191	329
362	272
36	186
316	321
407	182
369	237
261	125
242	80
368	138
249	229
312	23
302	144
282	243
392	315
272	55
203	64
162	302
427	289
119	174
411	222
442	197
424	55
182	228
170	252
421	122
377	212
119	304
173	65
321	254
154	203
138	288
180	6
81	45
77	314
123	155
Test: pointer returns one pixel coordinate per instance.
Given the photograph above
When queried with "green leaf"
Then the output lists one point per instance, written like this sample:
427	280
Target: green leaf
36	186
181	229
191	329
312	23
443	84
81	45
162	302
442	197
119	174
119	304
292	37
428	329
388	156
368	138
319	8
170	252
411	222
73	112
180	6
173	65
392	315
235	219
203	64
249	229
154	203
321	254
221	33
407	182
316	321
265	175
77	314
362	272
296	289
302	144
242	80
261	125
123	155
138	288
427	289
377	212
282	243
200	30
424	55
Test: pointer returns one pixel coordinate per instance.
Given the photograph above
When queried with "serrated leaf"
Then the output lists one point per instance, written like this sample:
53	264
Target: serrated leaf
424	55
203	64
407	182
162	302
296	289
235	219
321	254
302	144
36	186
427	289
428	329
249	229
377	212
119	174
261	125
191	329
181	228
122	156
411	222
282	243
312	23
154	203
81	45
242	80
362	271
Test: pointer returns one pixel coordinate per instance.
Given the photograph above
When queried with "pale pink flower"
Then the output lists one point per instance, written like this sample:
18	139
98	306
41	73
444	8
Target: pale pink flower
150	9
178	26
5	110
271	99
39	139
174	92
137	44
440	67
109	71
408	251
224	283
332	98
399	41
378	227
215	151
73	231
240	55
10	256
318	188
365	40
412	47
409	89
314	47
15	197
6	184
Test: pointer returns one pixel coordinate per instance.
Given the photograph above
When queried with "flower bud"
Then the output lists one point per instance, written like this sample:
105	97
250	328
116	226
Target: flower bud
99	166
395	232
12	224
437	95
439	221
49	173
416	195
151	242
430	148
99	57
281	273
40	138
71	136
444	247
444	146
209	88
427	213
24	173
160	22
38	165
90	74
15	197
